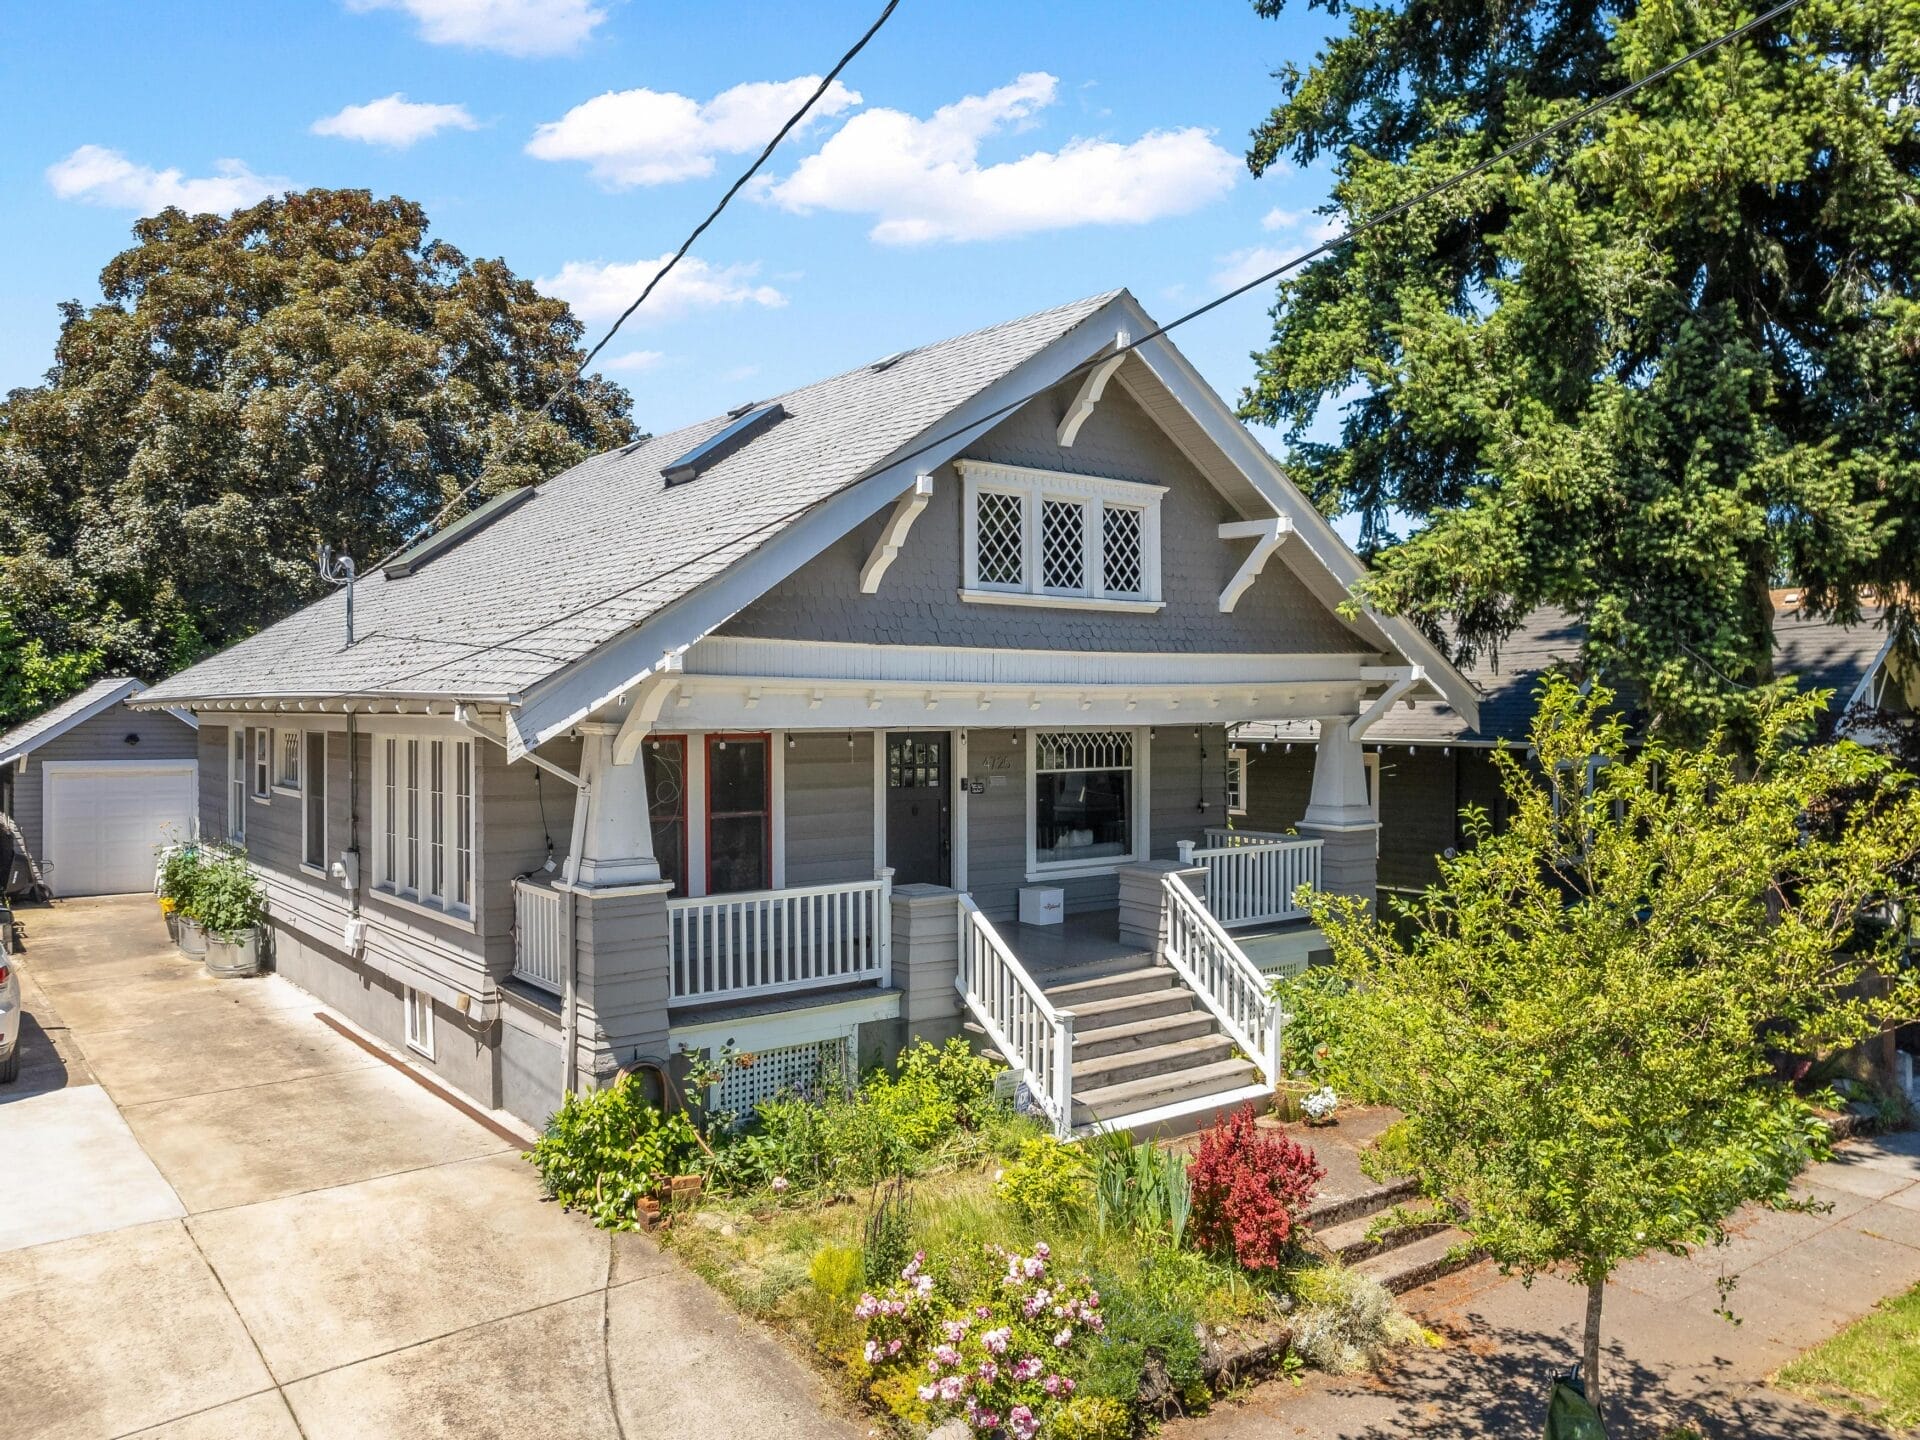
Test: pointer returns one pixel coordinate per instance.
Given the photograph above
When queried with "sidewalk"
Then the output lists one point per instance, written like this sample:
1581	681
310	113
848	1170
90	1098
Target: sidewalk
1670	1359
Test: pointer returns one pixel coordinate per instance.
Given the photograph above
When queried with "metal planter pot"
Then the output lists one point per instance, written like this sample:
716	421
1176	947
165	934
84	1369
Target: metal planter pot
173	927
229	956
193	936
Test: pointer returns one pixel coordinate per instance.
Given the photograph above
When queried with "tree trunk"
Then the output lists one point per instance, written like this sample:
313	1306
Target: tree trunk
1590	1367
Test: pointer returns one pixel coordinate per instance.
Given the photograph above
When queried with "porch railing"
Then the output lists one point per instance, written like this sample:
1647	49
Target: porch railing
1022	1023
1227	982
1252	877
760	941
540	939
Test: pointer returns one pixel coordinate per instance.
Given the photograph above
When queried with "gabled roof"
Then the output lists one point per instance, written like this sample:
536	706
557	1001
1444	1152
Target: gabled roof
74	710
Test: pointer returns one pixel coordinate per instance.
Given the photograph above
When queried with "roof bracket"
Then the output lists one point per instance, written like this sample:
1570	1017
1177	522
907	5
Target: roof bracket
1091	389
1268	534
905	511
648	700
1403	678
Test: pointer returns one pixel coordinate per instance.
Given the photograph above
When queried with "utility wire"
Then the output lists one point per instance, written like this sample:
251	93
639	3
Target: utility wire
546	406
1392	212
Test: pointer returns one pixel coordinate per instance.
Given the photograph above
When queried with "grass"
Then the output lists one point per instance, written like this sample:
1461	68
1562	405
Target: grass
1871	1368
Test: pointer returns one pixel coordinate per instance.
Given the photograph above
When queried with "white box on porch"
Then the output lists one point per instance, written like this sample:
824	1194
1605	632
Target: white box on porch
1042	904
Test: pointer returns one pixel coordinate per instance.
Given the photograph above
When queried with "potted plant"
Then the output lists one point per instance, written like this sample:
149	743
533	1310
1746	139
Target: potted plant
179	864
228	902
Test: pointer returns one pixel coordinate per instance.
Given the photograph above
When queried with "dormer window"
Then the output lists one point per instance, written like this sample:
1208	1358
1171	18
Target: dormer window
1039	537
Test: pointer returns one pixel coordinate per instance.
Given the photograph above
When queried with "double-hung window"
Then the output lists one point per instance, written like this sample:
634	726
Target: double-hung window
1085	798
237	785
260	744
423	820
286	760
1037	537
1236	781
313	817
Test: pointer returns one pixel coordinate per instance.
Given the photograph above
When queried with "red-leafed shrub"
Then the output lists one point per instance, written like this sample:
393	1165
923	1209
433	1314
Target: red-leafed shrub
1250	1191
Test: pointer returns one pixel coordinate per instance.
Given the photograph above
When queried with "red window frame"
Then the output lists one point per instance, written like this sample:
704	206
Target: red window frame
679	742
766	803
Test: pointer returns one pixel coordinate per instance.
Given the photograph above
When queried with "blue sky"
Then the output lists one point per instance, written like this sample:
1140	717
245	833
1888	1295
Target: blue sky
581	139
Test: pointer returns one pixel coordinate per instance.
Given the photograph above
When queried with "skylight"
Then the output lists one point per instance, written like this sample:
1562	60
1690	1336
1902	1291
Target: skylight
715	448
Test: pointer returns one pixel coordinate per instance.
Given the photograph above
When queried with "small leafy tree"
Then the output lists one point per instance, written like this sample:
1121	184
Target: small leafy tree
1581	1020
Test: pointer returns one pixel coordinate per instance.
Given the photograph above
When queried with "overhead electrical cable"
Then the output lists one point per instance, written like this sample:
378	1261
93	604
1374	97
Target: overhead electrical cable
1392	212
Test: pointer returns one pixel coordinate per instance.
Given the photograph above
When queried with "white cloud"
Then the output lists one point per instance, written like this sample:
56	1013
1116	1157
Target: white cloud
522	28
1310	226
923	179
395	121
599	291
96	175
1239	267
635	360
652	137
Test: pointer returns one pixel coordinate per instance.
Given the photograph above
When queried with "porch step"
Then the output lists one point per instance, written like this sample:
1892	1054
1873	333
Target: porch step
1407	1266
1093	1015
1090	1043
1071	994
1112	1104
1144	1061
1353	1241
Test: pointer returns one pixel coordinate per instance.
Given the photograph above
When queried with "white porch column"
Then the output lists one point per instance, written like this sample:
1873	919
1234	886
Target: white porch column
1340	814
617	847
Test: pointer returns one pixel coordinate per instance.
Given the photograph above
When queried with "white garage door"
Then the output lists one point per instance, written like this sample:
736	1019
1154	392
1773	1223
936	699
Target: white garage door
104	820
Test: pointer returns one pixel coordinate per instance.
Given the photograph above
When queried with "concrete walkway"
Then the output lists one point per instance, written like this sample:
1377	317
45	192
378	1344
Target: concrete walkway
220	1220
1670	1359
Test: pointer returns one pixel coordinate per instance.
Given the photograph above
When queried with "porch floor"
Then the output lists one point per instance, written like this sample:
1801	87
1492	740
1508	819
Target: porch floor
1087	942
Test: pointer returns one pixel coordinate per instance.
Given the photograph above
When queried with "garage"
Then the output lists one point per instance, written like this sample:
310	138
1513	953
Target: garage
104	818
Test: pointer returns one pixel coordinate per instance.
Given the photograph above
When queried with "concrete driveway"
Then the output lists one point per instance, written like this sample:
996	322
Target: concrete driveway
220	1218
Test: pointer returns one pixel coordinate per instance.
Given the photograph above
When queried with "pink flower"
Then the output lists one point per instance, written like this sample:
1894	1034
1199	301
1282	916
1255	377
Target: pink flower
950	1388
1043	1250
928	1392
998	1340
893	1345
946	1355
955	1331
1029	1369
1054	1384
923	1286
983	1312
780	1185
872	1352
1034	1266
1021	1423
1063	1339
867	1308
983	1419
988	1372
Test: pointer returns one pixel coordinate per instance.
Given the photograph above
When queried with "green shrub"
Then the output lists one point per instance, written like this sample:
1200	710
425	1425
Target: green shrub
837	1273
889	1235
1344	1319
1139	1189
1313	1043
1092	1417
962	1079
179	868
604	1149
224	896
1141	1325
1047	1183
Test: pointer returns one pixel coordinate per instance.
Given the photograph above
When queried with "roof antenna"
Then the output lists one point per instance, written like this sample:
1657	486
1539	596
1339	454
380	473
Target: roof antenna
339	572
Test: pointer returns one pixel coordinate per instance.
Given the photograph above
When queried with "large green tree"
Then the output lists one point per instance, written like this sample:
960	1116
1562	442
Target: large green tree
1581	1019
311	370
1640	371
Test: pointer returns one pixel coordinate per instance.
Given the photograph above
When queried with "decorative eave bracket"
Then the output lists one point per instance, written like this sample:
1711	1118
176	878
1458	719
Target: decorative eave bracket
1091	389
906	510
644	705
1267	535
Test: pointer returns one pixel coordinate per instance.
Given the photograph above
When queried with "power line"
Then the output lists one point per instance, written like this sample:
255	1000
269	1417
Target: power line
546	406
1392	212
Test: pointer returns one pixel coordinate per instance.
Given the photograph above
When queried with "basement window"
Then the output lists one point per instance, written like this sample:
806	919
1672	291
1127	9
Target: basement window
1035	537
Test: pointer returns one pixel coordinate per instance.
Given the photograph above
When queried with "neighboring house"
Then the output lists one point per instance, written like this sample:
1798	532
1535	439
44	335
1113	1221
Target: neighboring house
1425	763
94	788
775	729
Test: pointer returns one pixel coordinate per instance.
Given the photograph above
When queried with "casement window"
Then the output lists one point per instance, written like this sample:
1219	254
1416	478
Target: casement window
260	746
1084	797
739	813
313	813
237	775
423	820
286	760
665	757
419	1021
1034	537
1236	781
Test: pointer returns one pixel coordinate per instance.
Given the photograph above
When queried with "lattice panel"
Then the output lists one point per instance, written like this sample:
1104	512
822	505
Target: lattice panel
1121	560
1062	538
1000	540
1083	750
809	1069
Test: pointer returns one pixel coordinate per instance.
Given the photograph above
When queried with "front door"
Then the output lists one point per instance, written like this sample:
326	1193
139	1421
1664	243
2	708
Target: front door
919	837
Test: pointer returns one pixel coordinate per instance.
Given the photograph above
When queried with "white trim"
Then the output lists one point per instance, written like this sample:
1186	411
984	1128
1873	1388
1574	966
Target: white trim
421	897
696	783
1268	536
314	792
457	919
879	800
1061	602
777	807
1142	806
836	1020
1237	761
1091	389
417	1020
280	786
886	548
959	764
1061	482
237	785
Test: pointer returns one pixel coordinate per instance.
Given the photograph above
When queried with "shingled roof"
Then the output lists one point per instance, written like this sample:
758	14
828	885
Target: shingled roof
30	735
528	595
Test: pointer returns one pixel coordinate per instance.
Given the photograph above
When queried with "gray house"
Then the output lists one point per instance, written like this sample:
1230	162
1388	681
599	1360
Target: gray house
895	704
94	787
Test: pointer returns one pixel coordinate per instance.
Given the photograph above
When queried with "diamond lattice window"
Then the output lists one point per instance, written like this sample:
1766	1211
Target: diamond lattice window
1121	551
1083	750
810	1069
1062	542
1001	537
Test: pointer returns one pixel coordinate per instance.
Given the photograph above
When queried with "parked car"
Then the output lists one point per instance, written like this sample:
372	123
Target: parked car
9	1022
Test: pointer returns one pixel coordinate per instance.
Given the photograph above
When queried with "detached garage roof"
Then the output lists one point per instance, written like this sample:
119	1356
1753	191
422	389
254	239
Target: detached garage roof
23	740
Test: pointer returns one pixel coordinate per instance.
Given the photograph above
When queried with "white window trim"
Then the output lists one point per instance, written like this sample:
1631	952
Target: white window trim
1237	766
260	763
417	1023
1094	494
287	787
1370	767
313	791
389	888
1142	809
239	784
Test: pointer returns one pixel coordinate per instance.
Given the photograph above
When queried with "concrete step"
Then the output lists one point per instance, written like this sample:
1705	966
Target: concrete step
1367	1198
1089	1042
1071	994
1349	1241
1112	1104
1407	1266
1091	1015
1102	1071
